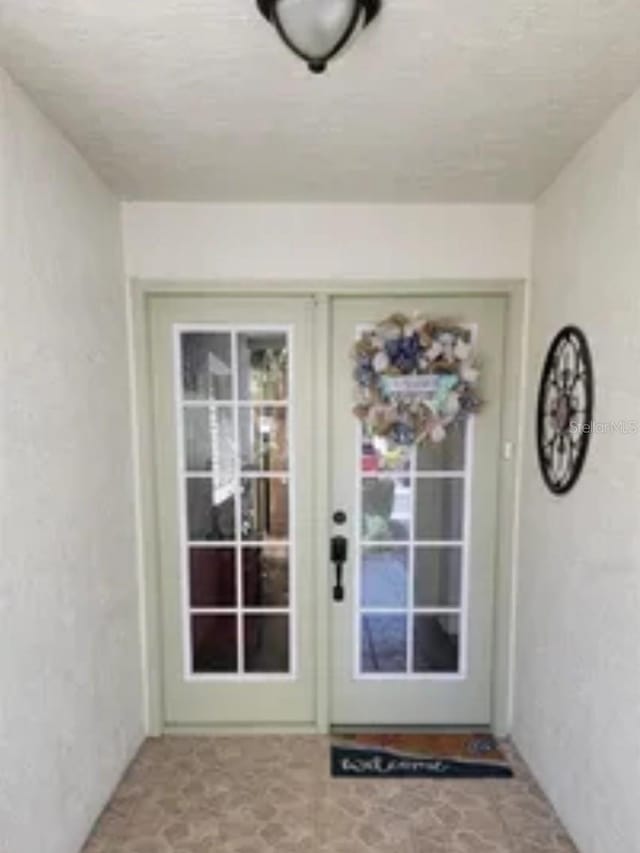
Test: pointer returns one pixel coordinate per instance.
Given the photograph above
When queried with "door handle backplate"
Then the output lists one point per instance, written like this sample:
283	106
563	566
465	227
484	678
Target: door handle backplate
339	552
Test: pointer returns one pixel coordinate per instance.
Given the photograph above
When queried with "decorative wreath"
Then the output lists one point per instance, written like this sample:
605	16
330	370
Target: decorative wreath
415	378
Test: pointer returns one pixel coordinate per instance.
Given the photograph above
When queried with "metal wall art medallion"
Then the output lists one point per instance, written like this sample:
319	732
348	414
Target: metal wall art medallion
565	409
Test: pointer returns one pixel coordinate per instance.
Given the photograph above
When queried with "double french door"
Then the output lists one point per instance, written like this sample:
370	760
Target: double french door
239	444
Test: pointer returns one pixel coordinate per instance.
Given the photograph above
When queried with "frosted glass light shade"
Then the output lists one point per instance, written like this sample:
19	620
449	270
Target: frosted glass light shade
317	30
315	27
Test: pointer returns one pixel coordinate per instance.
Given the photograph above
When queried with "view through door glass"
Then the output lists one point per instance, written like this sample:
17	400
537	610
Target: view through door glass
412	555
233	407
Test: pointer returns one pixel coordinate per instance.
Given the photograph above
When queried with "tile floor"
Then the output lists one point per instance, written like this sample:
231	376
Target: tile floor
274	794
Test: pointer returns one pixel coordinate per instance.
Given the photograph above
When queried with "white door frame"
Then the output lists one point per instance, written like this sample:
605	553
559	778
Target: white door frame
141	291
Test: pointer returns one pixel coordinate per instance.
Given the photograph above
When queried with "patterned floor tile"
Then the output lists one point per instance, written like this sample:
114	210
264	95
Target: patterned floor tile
274	795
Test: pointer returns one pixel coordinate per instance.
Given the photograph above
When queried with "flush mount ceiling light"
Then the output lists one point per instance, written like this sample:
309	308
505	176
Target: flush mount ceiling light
316	30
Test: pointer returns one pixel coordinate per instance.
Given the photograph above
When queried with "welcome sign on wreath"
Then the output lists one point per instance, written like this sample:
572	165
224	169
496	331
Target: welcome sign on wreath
415	377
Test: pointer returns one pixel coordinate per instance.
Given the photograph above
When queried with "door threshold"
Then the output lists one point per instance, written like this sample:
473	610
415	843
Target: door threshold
374	729
248	729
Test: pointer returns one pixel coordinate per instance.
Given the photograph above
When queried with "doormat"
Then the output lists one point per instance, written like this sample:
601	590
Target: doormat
418	756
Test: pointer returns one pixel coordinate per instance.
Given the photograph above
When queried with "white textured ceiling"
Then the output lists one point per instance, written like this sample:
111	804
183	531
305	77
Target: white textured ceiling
440	100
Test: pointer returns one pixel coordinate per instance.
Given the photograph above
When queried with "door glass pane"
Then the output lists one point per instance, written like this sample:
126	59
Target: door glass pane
385	573
231	403
384	643
264	444
212	576
436	642
215	643
378	454
438	577
266	576
265	509
263	365
439	508
411	499
411	541
208	441
266	643
448	455
210	510
386	509
206	365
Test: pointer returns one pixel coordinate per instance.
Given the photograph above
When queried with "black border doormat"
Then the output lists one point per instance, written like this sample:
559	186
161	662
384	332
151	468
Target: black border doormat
418	756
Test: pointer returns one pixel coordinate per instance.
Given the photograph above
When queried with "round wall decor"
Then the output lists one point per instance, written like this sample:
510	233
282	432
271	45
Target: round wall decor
565	409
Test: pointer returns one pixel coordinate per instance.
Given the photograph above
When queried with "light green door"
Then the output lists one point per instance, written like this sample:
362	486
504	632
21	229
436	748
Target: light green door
233	409
238	443
412	640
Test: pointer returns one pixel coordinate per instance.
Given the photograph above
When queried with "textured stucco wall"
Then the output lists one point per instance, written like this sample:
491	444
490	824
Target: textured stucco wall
327	241
70	703
578	650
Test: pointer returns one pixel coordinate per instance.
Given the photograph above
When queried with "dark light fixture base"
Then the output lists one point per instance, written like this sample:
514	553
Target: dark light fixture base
371	9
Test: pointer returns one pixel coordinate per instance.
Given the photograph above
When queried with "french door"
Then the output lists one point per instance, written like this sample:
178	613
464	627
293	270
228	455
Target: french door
412	639
236	432
233	433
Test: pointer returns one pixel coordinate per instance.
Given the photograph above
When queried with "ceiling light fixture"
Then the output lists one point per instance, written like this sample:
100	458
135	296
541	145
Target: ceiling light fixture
317	30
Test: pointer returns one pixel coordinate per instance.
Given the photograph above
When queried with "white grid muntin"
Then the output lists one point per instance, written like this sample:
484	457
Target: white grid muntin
246	475
405	543
416	475
229	611
240	404
382	609
229	544
411	544
237	544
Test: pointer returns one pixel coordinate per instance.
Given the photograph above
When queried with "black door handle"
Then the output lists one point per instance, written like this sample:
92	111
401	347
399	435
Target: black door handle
339	551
